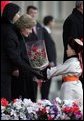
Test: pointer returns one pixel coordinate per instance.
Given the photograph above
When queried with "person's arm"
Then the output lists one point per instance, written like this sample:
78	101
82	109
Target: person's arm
58	70
66	68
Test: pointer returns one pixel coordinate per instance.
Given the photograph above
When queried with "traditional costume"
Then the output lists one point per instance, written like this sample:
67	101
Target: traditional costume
70	70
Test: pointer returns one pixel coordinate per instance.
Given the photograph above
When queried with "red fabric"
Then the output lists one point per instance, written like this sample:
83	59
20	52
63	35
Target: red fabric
3	4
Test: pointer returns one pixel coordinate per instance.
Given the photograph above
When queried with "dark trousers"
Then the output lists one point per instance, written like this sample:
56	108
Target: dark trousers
44	90
23	86
17	89
6	86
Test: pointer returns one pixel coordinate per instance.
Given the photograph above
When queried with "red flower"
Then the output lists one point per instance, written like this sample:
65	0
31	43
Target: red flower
34	58
44	110
37	53
74	109
29	53
4	102
34	49
67	109
50	118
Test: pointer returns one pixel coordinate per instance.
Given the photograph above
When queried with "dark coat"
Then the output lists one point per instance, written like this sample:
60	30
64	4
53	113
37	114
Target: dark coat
13	50
73	27
6	47
10	57
35	37
50	47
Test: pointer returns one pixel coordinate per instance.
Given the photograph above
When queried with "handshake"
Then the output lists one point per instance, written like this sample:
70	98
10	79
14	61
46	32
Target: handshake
45	74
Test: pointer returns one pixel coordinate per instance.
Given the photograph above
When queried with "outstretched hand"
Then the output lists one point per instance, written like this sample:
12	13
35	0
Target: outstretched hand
41	74
38	74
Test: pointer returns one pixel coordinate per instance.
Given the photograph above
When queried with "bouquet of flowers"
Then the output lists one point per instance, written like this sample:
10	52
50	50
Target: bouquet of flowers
37	54
25	109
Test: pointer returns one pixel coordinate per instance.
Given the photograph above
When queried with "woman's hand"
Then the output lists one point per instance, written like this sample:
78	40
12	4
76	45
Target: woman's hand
38	74
15	73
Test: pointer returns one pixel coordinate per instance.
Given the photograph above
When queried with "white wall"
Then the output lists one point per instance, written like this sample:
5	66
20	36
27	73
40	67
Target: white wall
59	9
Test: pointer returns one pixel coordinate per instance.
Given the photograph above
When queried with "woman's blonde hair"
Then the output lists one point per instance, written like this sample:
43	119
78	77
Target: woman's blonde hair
25	21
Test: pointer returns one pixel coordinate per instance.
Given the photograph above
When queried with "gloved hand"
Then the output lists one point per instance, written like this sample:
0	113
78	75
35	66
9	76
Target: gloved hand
44	72
38	74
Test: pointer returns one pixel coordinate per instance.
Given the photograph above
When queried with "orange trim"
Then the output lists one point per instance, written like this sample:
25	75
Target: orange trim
70	78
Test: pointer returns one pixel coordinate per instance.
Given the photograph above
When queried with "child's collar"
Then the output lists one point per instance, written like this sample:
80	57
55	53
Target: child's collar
72	56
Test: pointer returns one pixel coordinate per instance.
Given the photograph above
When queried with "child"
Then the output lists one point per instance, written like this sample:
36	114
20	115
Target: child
71	71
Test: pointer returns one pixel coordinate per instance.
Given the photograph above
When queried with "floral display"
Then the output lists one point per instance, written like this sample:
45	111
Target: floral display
37	54
25	109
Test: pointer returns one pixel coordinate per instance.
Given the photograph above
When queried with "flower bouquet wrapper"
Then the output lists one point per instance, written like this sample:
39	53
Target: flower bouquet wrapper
37	54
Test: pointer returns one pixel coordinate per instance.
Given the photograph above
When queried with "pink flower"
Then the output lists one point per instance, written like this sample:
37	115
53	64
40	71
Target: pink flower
50	118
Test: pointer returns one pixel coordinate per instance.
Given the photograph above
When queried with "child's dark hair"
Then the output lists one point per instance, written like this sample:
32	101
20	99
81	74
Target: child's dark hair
31	7
78	49
47	20
74	45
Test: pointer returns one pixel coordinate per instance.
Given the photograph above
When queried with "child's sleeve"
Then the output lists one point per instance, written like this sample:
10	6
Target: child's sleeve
58	70
63	69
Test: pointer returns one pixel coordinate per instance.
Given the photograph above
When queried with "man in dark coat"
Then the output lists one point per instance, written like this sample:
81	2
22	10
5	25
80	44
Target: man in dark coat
49	23
40	33
73	26
37	34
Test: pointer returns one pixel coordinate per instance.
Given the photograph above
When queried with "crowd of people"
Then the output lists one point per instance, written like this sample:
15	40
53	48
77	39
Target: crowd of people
18	78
